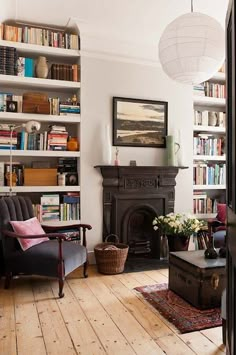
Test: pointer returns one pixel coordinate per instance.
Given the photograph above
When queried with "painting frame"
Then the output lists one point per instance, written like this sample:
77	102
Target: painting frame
140	113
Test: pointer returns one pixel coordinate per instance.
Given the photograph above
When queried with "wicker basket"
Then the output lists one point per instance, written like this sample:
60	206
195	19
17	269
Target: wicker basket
111	261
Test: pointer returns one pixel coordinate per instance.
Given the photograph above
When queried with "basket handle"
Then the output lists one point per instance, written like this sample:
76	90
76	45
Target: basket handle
112	235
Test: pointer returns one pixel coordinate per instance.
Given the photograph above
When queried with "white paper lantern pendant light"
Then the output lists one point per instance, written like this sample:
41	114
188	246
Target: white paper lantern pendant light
192	48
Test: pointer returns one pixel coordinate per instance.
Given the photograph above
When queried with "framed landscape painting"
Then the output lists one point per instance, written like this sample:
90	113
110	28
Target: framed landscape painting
139	123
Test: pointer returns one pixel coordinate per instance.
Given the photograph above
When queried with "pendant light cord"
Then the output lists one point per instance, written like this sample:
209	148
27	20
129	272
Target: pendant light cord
191	5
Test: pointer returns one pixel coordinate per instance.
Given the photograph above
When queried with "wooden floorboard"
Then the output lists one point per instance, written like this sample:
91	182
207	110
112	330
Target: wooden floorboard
98	315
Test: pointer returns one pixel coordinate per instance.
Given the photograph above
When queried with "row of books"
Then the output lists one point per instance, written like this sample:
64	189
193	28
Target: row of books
12	64
214	89
52	207
203	203
205	145
204	118
40	36
69	72
57	106
210	89
209	174
8	60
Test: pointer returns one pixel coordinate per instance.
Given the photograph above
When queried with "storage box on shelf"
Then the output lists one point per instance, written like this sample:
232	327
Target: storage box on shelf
209	161
57	109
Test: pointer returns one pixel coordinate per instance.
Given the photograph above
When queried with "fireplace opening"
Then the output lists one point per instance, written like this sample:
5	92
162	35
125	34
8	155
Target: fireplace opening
141	237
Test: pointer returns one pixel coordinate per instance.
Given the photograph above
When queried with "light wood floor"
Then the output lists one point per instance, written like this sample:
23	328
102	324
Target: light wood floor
98	315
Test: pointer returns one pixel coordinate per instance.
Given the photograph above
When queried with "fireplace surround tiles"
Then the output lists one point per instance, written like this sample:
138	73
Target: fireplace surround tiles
132	197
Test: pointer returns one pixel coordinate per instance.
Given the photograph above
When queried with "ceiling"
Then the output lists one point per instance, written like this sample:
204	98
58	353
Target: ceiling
136	21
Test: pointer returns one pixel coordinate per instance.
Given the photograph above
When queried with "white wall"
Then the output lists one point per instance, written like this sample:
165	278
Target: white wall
101	80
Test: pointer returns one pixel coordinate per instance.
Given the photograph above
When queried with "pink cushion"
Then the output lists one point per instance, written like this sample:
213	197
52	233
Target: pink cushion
221	212
29	227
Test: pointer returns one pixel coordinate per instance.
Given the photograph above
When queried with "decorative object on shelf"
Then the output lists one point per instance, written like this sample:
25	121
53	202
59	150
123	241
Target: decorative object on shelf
178	228
72	179
212	118
11	106
73	144
36	102
41	68
139	123
74	100
172	150
61	179
106	145
180	151
196	34
117	162
132	163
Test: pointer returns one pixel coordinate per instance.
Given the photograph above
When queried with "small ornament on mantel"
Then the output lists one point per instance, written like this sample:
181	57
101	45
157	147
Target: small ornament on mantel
117	162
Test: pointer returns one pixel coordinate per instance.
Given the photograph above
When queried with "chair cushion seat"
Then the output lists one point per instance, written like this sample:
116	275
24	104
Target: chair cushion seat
42	259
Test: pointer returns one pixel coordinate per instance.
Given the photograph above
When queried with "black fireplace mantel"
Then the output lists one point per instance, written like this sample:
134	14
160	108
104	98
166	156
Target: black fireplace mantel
127	187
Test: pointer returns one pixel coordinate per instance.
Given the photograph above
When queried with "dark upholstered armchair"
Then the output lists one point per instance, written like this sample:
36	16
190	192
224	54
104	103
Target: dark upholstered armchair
55	257
217	226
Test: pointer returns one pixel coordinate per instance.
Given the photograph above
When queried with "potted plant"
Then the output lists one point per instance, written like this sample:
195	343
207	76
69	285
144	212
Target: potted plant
178	228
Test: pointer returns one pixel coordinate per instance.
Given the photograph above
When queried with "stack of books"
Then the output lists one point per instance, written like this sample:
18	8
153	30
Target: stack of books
57	138
8	60
5	137
198	90
50	207
69	109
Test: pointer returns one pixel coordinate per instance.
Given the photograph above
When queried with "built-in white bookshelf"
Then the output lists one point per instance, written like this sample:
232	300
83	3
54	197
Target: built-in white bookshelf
209	149
53	88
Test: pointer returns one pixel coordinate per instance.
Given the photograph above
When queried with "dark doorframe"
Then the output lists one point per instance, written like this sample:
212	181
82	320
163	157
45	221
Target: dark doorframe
231	182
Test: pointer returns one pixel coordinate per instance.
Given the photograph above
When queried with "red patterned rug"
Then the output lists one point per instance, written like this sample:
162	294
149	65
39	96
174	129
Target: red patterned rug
185	317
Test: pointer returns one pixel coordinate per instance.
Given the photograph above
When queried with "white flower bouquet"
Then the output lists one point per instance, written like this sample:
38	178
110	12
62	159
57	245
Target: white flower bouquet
177	224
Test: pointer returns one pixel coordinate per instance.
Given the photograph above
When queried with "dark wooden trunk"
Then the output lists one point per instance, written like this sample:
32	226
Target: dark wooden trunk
198	280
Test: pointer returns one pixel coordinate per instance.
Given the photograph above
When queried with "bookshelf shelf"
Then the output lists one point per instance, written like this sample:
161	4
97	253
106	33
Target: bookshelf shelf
209	157
37	83
209	101
56	189
35	49
39	153
209	187
210	129
60	223
24	117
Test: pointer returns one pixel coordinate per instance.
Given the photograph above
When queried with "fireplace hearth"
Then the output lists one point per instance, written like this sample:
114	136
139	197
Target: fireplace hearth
132	197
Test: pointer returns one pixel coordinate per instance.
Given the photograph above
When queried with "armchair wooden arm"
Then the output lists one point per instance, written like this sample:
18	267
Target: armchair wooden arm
71	227
10	234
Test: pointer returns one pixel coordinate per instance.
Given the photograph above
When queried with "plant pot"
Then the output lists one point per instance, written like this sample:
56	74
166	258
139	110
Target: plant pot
178	242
